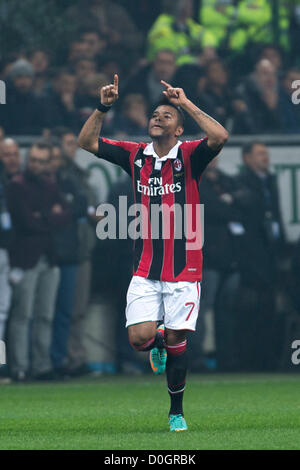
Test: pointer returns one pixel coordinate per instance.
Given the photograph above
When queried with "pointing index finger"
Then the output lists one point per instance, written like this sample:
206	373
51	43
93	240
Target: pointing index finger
116	82
167	85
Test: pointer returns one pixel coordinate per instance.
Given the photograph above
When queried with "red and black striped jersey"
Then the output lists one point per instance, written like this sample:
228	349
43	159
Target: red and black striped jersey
169	182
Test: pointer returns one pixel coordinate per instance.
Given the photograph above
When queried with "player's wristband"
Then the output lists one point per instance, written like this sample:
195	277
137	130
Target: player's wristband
103	108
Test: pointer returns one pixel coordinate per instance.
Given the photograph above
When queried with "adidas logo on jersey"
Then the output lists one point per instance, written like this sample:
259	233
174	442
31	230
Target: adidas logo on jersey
138	163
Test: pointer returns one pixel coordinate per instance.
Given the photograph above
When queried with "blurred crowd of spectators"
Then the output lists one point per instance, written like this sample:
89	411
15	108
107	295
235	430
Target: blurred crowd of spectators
236	60
47	235
51	263
226	57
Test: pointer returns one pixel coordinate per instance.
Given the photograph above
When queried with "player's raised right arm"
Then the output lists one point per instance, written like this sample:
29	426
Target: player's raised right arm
89	134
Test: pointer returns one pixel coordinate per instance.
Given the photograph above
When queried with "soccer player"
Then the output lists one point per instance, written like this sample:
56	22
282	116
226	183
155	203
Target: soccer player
167	270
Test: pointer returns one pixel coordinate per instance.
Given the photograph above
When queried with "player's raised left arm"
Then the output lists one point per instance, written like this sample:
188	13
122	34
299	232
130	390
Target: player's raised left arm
217	135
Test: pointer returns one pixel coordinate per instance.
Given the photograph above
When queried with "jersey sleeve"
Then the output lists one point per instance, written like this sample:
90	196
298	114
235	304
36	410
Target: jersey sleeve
116	151
201	155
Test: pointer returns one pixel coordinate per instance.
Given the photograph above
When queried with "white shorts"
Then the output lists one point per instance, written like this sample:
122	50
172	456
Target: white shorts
176	303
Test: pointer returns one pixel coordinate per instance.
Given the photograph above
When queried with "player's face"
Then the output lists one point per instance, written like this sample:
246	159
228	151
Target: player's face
164	123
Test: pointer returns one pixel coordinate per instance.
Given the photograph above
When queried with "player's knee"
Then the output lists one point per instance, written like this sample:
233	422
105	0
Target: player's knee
137	339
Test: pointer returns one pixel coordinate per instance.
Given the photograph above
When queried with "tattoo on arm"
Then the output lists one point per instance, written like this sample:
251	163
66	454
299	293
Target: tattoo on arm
201	115
88	137
215	132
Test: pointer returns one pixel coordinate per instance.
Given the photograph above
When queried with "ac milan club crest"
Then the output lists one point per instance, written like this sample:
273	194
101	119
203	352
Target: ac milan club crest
177	164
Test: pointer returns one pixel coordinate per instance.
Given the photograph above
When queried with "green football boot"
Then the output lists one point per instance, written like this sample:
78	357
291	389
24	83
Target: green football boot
177	423
158	357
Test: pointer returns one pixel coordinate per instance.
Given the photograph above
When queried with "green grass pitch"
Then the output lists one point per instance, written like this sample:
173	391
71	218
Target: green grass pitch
222	412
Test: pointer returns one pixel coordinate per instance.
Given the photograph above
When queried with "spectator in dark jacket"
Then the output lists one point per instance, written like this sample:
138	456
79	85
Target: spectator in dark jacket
117	30
120	253
6	235
88	94
10	157
77	357
264	239
133	118
40	60
84	68
66	243
146	80
60	102
96	44
223	233
194	78
9	167
37	209
262	112
24	113
217	90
